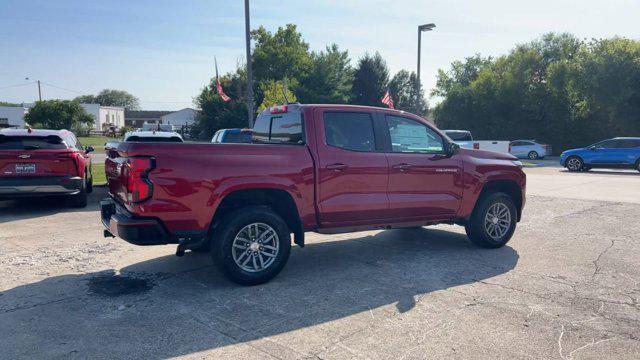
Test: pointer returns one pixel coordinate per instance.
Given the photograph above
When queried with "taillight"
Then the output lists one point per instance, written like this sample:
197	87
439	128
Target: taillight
280	109
136	174
476	146
76	161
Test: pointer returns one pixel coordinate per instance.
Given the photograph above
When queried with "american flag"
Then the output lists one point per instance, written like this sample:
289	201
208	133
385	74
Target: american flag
387	100
224	96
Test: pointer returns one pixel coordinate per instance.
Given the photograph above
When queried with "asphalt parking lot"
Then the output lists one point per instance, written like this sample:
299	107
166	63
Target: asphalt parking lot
565	287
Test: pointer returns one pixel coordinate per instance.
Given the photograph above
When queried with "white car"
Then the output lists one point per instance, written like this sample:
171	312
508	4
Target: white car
153	136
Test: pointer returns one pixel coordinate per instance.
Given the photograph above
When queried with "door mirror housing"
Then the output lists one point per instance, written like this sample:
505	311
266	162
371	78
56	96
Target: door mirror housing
452	149
88	149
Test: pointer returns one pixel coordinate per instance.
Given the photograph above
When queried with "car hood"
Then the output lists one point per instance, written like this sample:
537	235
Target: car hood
484	154
572	151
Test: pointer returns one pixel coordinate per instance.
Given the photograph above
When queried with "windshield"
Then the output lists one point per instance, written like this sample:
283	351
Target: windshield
31	142
237	137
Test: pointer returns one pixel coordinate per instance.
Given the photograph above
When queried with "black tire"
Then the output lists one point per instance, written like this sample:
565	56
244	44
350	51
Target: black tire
638	165
90	182
533	155
574	163
80	199
223	239
476	229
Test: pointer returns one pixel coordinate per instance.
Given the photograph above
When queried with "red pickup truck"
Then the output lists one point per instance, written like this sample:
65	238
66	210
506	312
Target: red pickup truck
322	168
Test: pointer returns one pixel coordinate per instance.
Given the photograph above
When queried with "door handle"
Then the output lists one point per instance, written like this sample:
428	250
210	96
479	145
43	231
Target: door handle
337	167
402	167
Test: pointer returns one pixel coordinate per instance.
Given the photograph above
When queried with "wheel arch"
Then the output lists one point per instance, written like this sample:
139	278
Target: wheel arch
278	200
509	187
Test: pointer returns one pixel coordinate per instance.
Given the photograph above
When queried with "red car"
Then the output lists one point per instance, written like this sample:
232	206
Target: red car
322	168
35	163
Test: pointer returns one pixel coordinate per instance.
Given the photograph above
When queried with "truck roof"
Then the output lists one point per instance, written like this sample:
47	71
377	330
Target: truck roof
158	134
298	106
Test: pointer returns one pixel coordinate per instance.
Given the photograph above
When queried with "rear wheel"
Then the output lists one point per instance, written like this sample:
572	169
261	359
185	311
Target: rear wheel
574	163
89	182
493	222
80	199
251	245
533	155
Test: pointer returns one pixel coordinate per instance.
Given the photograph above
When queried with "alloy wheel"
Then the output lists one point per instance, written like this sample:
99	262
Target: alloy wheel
497	221
255	247
574	164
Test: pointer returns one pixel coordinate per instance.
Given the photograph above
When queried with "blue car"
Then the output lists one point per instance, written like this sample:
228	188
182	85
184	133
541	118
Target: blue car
617	153
528	149
232	136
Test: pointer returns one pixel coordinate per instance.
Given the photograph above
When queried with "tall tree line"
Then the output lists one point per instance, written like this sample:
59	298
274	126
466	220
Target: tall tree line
557	89
283	60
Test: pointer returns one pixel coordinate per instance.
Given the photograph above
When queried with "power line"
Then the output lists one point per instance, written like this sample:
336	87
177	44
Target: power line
61	88
17	85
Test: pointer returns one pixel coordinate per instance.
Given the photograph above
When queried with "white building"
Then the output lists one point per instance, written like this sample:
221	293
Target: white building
105	116
12	116
186	116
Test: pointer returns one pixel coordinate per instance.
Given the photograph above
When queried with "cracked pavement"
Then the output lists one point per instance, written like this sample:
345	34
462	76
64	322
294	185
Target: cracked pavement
565	287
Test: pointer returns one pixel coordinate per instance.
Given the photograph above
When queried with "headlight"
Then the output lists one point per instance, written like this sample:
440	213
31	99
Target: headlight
517	163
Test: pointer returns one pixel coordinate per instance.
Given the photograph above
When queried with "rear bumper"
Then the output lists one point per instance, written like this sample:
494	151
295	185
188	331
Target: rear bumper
18	187
138	231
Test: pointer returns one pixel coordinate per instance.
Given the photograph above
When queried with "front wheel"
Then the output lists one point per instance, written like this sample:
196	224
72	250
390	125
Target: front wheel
251	245
574	163
638	165
493	222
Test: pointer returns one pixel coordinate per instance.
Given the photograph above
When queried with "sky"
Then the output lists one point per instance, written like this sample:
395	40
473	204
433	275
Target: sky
162	51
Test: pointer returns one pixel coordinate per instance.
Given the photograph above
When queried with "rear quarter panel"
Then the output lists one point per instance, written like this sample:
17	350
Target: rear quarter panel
190	180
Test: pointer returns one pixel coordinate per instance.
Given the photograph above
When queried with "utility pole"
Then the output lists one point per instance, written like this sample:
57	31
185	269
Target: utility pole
247	30
421	28
39	91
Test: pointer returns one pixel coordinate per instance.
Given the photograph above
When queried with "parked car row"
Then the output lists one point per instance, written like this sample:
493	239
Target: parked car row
523	149
321	168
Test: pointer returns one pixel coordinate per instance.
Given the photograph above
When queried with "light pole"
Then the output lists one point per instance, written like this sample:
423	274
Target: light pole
247	33
421	28
39	92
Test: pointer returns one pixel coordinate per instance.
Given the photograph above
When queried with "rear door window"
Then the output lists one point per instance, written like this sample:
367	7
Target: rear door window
629	143
31	142
349	130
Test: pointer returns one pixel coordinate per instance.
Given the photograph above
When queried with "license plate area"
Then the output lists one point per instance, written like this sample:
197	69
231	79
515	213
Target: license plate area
25	168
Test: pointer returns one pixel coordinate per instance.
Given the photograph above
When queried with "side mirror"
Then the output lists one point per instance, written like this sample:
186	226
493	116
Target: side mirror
88	149
593	148
452	149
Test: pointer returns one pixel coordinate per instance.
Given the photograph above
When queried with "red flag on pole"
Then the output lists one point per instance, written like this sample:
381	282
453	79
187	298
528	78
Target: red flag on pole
224	96
387	100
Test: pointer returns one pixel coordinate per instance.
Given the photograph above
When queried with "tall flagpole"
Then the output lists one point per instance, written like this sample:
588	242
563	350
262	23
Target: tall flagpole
247	31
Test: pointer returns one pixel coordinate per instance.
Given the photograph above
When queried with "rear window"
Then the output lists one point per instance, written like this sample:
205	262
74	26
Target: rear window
278	129
153	139
459	135
31	142
349	130
237	137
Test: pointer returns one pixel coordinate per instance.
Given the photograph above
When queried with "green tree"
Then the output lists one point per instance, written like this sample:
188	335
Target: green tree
329	79
280	54
274	94
556	89
407	93
370	80
217	114
109	97
4	103
58	114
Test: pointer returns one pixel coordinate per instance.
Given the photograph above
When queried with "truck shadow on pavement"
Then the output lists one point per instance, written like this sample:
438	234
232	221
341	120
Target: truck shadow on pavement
171	306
